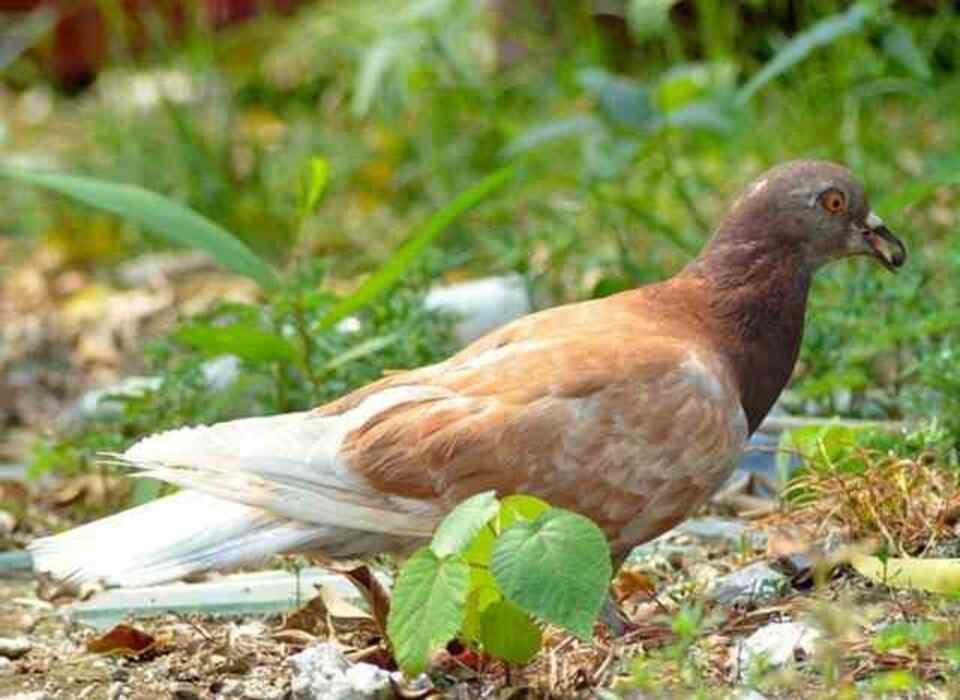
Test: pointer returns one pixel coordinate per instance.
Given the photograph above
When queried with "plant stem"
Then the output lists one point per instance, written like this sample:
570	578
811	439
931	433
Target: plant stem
680	188
307	345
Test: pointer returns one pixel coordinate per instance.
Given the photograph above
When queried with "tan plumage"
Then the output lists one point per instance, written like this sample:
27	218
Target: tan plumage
631	410
601	407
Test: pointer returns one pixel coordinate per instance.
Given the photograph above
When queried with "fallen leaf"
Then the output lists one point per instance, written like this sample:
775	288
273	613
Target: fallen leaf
122	640
340	608
311	617
782	544
294	637
629	582
375	594
14	492
69	492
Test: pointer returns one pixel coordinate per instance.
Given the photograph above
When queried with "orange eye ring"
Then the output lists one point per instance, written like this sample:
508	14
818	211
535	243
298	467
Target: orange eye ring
834	201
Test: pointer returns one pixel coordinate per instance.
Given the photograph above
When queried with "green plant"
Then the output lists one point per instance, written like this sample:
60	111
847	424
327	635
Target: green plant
891	488
283	363
673	666
291	352
492	571
158	214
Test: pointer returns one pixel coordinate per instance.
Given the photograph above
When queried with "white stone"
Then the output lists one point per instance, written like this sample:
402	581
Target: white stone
322	672
14	647
774	645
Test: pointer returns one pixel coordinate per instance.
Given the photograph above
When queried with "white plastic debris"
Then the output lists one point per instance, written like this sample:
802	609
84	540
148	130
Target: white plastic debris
218	373
482	305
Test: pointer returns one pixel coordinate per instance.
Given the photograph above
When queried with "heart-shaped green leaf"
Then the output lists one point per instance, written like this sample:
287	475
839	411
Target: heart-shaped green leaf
556	567
429	600
508	633
462	524
519	507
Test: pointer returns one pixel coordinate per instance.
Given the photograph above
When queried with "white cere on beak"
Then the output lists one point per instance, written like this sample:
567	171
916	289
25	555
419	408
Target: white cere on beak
874	221
759	185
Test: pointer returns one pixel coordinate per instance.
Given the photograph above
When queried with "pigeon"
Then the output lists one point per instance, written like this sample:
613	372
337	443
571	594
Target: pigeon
631	410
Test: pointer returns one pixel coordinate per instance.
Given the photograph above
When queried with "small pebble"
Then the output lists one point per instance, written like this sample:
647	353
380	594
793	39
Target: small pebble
799	567
116	691
249	629
231	689
263	693
6	666
14	647
26	622
757	583
747	694
415	688
7	522
185	692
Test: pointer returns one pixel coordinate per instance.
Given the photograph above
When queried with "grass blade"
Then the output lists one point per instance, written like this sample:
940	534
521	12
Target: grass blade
407	254
160	215
820	34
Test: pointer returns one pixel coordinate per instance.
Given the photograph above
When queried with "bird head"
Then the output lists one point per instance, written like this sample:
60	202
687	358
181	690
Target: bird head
813	209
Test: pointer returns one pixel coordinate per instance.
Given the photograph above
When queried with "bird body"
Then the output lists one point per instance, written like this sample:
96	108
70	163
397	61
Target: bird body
631	410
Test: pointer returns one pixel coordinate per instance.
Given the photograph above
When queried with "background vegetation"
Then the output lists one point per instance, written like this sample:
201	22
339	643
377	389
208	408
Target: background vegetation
635	124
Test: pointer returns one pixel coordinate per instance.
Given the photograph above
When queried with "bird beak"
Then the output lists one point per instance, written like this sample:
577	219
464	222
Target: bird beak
878	241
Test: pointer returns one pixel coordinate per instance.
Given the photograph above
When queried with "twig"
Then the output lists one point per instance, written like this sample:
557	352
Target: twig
183	618
601	671
779	424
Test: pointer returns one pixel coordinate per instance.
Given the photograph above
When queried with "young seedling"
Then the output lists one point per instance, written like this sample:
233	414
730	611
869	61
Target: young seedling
493	573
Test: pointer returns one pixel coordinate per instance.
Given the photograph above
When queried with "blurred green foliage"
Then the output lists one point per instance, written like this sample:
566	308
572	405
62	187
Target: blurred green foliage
636	126
277	370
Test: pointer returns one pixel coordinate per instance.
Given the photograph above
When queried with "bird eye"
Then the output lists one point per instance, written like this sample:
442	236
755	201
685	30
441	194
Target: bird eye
834	201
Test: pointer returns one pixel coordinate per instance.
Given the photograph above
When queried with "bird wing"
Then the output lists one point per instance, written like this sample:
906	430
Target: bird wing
632	432
592	411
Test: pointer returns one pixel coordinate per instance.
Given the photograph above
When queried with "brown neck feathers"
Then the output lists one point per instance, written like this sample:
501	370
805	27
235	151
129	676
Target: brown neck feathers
757	300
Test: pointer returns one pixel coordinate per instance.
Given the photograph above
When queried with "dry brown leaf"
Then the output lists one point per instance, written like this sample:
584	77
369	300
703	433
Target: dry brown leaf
311	618
122	640
629	582
294	637
782	544
376	595
340	608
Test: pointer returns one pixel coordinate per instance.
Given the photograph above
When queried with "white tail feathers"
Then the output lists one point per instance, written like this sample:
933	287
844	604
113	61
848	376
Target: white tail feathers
167	539
256	487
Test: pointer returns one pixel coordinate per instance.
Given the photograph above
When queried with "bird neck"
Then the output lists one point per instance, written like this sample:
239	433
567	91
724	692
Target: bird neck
756	297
